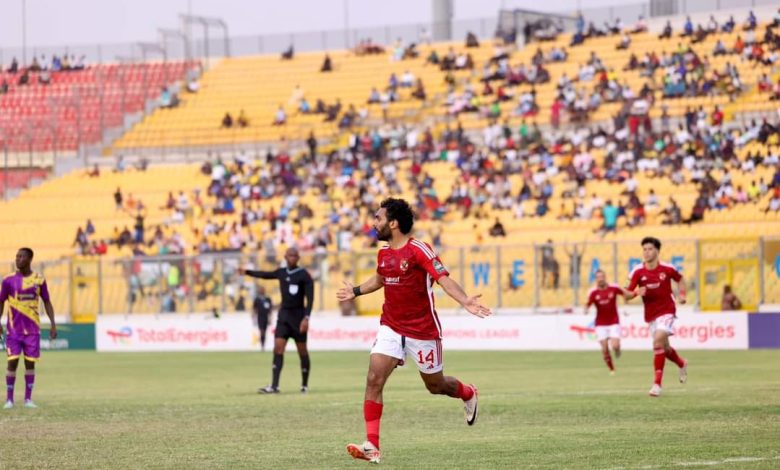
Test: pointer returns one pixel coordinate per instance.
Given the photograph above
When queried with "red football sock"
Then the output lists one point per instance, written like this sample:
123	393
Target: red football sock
658	362
372	412
674	357
608	360
465	393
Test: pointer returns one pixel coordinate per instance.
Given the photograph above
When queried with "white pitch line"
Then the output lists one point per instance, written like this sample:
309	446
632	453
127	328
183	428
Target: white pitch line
612	391
700	463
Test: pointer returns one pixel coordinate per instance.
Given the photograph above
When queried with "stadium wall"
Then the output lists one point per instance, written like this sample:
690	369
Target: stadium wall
235	332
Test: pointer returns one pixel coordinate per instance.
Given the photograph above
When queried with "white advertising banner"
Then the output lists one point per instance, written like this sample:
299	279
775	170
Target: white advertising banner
175	333
548	332
333	333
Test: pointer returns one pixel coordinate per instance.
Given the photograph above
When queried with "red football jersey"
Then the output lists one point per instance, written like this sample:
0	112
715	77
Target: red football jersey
606	304
659	299
408	274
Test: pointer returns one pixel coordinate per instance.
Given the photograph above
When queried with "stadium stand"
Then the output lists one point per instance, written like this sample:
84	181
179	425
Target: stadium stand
593	80
58	108
681	165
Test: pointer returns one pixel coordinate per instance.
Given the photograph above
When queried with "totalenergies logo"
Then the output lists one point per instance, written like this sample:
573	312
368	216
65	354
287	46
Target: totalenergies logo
121	336
585	332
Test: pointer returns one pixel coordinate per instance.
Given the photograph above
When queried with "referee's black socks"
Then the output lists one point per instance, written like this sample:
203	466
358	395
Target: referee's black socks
305	367
277	369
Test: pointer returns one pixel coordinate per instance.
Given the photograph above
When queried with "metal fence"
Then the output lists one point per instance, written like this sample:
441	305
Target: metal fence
540	277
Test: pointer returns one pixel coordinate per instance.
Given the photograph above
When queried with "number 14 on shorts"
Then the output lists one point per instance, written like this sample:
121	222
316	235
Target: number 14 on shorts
428	355
429	358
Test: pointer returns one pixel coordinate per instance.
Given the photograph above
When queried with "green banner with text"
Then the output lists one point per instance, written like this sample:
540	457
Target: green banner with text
69	336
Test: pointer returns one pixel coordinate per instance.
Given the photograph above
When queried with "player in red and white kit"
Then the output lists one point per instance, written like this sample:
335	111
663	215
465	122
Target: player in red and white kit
653	281
409	325
604	296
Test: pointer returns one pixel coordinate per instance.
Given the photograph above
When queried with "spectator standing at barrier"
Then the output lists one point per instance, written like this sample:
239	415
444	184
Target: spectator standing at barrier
550	266
729	301
297	289
575	264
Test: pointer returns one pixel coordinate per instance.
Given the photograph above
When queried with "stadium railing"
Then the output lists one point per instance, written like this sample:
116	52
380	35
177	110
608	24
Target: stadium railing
528	277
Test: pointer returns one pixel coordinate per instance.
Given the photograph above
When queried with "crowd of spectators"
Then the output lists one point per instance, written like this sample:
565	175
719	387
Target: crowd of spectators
553	164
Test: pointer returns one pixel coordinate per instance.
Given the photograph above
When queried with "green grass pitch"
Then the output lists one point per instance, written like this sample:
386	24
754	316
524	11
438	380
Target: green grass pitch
537	410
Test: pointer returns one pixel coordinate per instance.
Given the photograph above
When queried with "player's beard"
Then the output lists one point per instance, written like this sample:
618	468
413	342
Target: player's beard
383	234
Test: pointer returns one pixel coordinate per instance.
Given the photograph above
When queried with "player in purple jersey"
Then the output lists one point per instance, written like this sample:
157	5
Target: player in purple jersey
23	290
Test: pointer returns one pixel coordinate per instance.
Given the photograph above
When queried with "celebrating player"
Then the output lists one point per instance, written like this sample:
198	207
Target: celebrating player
604	296
23	290
409	325
653	281
292	321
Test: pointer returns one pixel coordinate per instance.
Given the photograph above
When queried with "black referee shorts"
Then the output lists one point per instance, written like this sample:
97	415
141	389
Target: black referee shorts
288	326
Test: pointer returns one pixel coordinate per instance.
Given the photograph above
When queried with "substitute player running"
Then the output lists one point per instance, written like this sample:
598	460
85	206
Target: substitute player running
409	325
604	296
23	290
292	321
653	281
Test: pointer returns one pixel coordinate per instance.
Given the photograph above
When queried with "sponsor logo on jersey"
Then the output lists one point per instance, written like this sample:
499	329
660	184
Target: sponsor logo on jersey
29	296
654	285
392	280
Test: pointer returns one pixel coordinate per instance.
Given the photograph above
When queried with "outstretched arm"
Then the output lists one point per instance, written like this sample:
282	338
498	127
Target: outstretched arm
349	291
471	304
257	274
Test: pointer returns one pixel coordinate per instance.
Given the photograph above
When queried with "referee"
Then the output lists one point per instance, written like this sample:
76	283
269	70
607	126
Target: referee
292	321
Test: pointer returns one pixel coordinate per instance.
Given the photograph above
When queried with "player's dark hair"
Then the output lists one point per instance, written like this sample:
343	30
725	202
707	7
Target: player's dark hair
400	211
28	251
601	271
653	241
